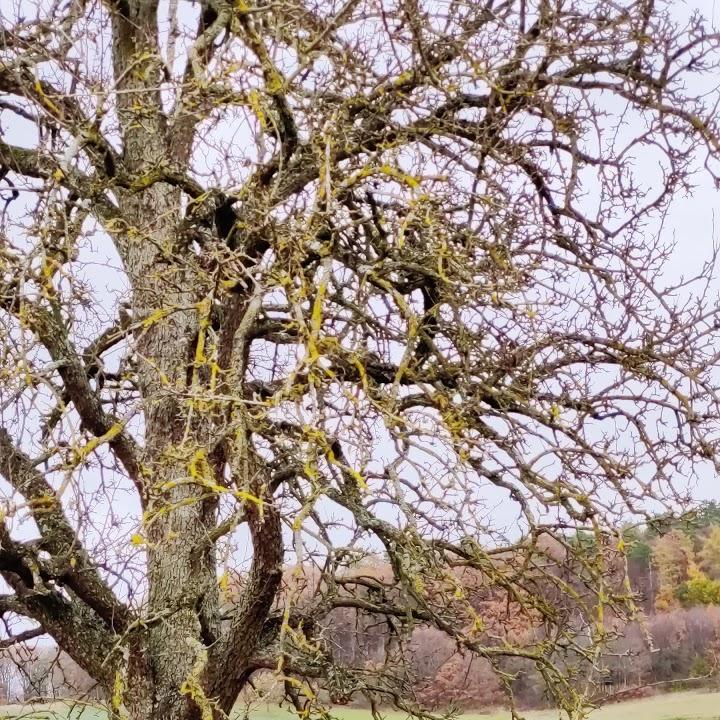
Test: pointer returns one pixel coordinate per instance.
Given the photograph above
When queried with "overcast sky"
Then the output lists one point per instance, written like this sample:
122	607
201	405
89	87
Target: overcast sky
693	222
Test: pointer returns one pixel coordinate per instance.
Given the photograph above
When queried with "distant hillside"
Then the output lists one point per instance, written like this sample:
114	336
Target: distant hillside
673	567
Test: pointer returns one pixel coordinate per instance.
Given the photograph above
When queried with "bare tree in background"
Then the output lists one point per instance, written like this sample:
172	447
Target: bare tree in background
306	281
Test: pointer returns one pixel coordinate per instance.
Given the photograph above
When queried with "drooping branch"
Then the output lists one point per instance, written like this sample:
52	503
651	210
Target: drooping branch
73	623
74	566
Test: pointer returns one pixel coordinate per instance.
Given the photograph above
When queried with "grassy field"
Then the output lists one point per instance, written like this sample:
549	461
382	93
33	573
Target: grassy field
676	706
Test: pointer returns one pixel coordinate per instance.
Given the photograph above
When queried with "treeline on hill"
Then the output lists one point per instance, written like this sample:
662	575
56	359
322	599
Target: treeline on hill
673	567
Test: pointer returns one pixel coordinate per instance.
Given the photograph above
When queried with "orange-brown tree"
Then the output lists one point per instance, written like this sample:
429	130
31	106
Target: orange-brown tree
301	281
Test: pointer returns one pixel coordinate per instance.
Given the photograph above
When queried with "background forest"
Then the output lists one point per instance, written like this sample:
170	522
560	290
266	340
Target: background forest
672	643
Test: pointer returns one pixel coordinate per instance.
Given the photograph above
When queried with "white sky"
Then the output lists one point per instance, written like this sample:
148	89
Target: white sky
692	222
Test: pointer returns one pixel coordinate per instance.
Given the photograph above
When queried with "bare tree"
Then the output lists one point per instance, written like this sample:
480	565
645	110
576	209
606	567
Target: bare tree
306	281
8	676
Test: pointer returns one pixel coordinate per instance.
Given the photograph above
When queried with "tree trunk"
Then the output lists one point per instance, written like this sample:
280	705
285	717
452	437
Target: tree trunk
167	657
167	664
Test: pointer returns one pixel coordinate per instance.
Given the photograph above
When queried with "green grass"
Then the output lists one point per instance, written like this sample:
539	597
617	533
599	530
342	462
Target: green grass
56	711
675	706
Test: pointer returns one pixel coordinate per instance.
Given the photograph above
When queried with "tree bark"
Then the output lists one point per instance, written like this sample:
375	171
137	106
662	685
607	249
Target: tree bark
167	659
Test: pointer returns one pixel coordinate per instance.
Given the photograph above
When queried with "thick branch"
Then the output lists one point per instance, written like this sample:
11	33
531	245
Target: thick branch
62	111
58	536
52	333
234	654
21	637
74	625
